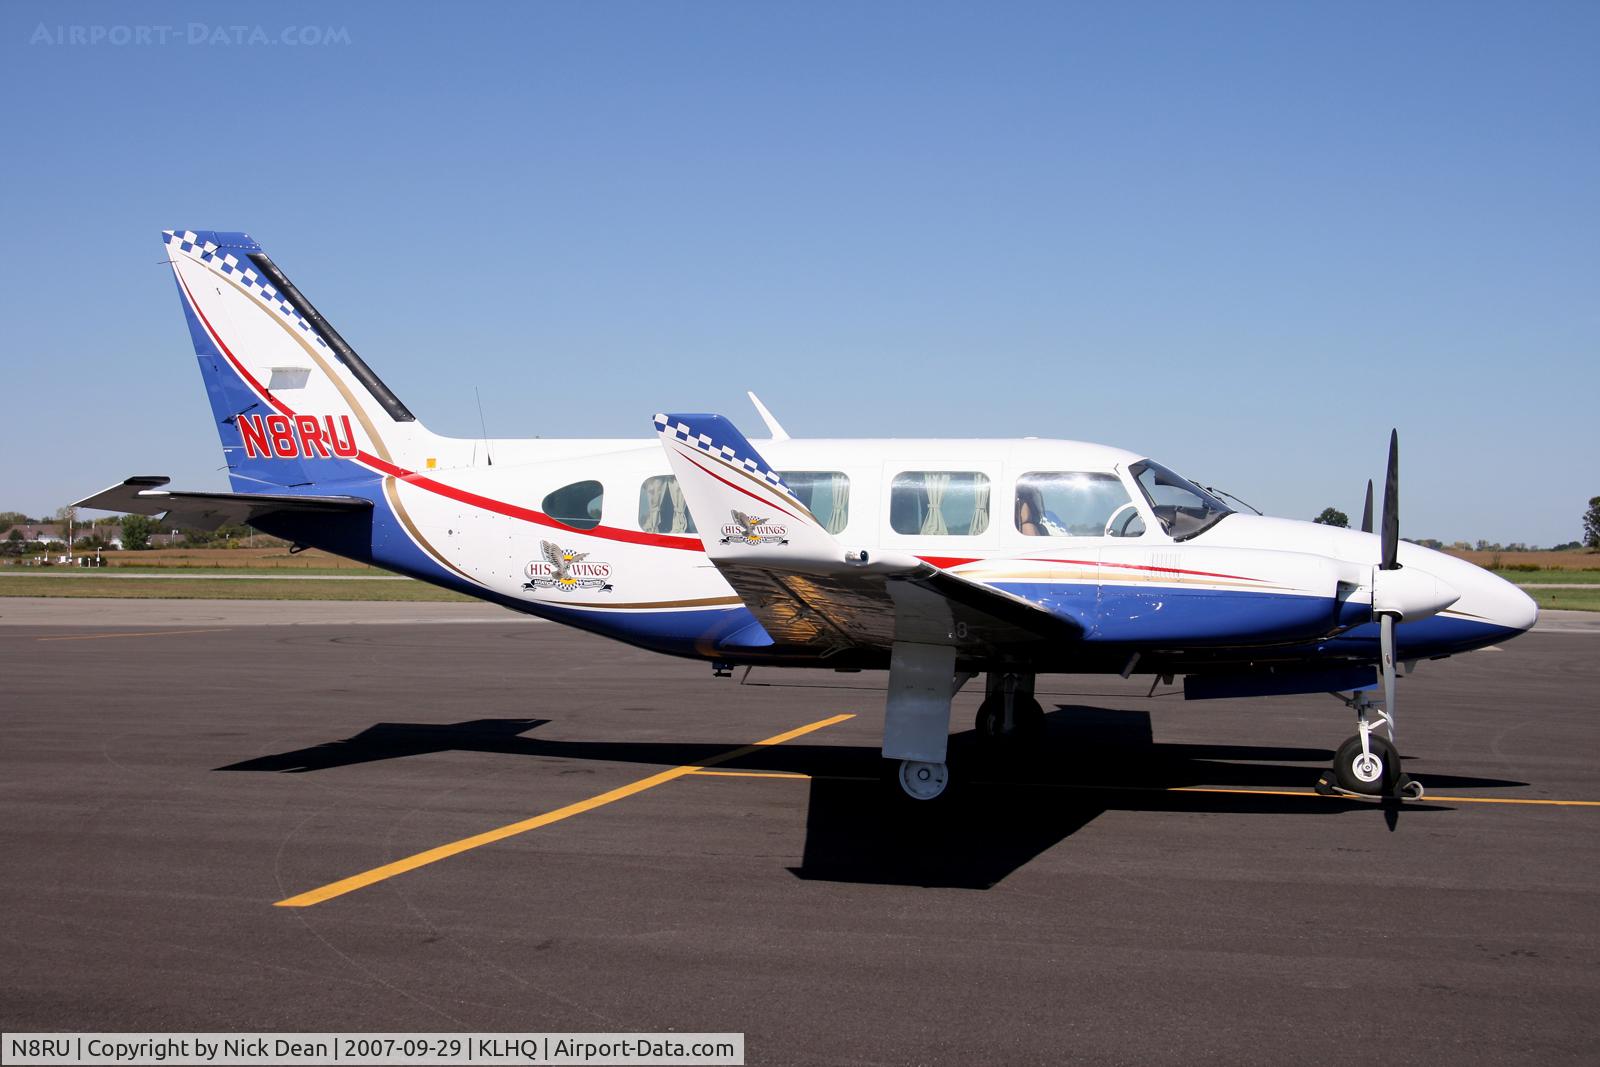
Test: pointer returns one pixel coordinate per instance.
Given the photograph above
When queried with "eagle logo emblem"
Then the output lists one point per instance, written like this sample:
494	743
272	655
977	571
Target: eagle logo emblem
566	569
747	530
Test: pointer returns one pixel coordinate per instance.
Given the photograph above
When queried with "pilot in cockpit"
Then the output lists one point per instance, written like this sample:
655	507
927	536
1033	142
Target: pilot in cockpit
1032	518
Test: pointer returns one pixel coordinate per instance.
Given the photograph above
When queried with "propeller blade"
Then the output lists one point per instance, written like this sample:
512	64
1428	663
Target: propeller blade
1386	646
1391	505
1366	512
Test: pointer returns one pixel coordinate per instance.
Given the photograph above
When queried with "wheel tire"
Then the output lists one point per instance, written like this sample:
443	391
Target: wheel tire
921	782
1351	773
991	714
1027	721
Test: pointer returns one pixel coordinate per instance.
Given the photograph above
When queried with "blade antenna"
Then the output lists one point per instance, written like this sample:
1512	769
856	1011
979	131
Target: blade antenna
483	425
778	432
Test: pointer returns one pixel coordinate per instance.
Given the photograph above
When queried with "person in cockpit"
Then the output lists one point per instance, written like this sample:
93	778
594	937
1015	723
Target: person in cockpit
1032	518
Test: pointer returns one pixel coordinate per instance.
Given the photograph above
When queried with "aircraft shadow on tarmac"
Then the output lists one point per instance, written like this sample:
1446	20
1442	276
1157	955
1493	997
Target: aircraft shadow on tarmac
1002	811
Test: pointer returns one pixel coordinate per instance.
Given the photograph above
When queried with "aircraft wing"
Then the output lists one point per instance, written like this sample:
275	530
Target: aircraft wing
143	495
807	589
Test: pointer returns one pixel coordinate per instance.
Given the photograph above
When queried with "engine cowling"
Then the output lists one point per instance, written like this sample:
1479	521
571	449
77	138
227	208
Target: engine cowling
1410	593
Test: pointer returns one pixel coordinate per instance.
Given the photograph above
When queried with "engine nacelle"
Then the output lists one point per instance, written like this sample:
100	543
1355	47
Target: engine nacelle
1410	593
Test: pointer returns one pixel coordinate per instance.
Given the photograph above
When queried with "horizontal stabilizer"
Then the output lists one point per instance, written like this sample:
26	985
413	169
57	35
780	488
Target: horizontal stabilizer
143	495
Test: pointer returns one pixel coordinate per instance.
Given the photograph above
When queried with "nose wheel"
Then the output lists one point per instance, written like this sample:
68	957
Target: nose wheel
1371	770
1368	764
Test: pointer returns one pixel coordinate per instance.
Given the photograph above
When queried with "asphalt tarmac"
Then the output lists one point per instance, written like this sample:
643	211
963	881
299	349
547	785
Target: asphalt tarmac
209	819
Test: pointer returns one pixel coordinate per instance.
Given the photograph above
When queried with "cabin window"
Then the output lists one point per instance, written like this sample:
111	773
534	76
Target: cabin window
576	505
825	493
939	503
1075	504
661	507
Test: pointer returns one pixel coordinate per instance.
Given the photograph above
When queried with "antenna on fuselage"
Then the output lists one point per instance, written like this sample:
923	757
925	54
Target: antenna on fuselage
778	432
484	426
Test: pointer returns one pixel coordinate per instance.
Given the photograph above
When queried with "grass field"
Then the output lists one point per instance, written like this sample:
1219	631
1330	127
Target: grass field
1517	562
311	560
1544	577
1567	599
206	568
219	589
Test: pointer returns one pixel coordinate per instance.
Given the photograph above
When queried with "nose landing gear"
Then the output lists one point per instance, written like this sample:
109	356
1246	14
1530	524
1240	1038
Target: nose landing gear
1368	765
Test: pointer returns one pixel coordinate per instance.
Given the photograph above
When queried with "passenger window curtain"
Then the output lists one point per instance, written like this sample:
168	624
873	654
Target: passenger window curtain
680	511
839	485
654	491
934	484
980	504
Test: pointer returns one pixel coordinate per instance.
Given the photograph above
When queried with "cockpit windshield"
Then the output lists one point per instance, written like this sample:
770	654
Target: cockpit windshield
1183	508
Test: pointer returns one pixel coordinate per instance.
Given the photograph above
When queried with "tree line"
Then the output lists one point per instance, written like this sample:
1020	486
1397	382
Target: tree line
136	532
1591	534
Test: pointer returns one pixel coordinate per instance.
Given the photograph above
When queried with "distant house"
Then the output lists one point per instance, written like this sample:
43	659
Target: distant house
111	534
55	531
37	531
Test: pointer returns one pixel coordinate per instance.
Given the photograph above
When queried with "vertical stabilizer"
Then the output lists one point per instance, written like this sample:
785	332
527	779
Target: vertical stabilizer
294	404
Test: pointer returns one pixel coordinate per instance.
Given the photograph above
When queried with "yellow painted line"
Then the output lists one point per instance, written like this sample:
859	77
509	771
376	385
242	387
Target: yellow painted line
753	774
1252	792
1306	793
789	774
1168	789
1515	800
1425	799
147	633
489	837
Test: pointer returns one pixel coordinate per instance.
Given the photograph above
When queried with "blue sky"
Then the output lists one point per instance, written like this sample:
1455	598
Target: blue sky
1245	239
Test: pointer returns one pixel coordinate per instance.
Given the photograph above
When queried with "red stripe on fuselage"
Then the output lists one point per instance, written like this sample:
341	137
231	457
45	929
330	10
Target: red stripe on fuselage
959	561
1143	567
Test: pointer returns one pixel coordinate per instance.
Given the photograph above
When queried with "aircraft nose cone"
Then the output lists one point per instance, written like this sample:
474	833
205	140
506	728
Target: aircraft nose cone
1504	604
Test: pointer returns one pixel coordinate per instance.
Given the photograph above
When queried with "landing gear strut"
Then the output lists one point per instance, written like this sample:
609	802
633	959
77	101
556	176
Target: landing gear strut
1009	711
916	718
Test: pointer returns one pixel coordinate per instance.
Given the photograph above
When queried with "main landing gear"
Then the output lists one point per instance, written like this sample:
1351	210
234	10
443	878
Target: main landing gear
1009	711
1368	765
916	715
916	721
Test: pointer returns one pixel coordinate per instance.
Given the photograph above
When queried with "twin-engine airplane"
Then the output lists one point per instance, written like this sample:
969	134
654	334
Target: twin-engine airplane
937	560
